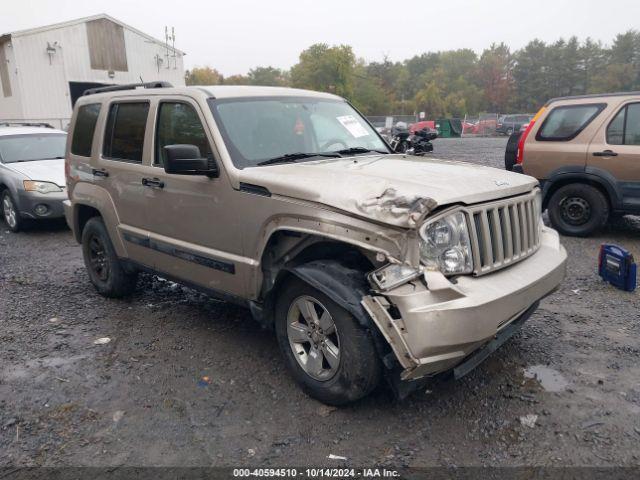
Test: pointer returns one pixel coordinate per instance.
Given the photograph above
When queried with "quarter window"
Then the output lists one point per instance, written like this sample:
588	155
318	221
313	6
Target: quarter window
566	123
624	129
179	124
84	129
124	134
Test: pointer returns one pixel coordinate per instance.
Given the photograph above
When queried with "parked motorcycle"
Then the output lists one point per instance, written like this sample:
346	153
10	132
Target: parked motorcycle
418	143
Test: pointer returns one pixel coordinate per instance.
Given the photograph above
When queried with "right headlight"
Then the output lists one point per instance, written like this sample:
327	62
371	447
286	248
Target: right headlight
41	187
445	245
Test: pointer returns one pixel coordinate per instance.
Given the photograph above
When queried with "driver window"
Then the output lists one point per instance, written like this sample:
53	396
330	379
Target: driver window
178	123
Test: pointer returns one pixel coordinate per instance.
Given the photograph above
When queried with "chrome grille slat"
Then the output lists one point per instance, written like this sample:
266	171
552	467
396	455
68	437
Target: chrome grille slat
503	232
508	236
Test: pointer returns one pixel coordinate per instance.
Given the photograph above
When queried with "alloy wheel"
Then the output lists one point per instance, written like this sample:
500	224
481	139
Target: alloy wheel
10	215
313	338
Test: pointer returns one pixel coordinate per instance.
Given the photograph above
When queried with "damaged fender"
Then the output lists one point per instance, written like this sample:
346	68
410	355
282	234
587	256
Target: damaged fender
344	286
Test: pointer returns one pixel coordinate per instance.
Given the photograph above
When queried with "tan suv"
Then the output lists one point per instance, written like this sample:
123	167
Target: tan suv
585	151
367	264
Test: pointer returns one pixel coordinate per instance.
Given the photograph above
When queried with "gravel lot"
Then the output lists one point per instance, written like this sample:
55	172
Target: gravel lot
141	399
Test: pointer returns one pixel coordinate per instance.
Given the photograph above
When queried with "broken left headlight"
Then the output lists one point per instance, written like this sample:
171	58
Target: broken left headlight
445	245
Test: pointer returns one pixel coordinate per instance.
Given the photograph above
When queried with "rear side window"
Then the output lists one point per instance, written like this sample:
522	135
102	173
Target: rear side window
179	124
566	123
124	134
84	129
624	129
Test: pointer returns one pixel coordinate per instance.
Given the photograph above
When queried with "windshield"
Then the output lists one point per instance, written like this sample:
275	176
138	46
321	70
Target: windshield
259	129
27	148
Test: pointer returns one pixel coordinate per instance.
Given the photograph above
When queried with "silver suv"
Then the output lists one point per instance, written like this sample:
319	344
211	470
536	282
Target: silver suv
368	264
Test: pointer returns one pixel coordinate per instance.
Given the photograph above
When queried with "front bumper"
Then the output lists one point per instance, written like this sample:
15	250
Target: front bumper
28	201
433	324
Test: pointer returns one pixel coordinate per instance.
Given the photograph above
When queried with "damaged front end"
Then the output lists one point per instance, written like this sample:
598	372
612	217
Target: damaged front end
443	310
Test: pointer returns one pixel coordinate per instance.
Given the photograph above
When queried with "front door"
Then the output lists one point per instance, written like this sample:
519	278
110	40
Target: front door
193	227
615	149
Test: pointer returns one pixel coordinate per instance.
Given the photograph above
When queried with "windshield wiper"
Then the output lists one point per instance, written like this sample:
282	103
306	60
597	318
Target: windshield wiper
293	157
354	150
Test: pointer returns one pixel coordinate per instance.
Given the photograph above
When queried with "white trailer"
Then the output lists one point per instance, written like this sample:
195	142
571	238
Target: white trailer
44	70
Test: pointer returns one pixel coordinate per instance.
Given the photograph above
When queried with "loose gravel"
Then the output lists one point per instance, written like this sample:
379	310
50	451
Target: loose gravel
185	380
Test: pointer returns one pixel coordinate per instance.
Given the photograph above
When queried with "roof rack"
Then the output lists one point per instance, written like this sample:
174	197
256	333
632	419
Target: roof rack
129	86
26	124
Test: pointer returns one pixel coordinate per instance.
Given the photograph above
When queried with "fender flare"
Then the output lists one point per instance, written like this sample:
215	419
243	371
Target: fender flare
344	286
581	175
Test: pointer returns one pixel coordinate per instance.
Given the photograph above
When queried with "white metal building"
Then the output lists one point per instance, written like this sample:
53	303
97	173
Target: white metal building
44	70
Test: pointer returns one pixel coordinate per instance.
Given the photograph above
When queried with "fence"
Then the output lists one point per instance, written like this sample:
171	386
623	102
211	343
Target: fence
387	121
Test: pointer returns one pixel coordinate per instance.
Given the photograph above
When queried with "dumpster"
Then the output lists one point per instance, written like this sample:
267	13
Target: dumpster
449	127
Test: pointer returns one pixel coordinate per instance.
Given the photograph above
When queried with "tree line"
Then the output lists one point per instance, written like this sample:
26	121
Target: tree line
455	82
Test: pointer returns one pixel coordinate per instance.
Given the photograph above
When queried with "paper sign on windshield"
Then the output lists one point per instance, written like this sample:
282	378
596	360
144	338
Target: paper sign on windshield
354	127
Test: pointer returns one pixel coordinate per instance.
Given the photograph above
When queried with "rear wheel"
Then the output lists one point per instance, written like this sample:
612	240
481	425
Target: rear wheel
10	213
327	351
578	210
107	273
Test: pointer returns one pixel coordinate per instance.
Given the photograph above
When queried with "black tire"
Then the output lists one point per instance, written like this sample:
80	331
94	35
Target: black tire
18	223
509	131
578	210
511	151
107	273
359	369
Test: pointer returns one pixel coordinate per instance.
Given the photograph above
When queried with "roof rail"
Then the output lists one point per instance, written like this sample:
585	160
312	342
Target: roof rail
26	124
129	86
593	95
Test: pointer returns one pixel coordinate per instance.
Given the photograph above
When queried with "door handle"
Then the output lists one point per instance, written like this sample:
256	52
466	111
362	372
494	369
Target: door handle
153	182
100	173
605	153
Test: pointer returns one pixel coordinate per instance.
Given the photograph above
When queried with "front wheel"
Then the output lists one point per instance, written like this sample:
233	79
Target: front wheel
327	351
578	210
10	213
107	273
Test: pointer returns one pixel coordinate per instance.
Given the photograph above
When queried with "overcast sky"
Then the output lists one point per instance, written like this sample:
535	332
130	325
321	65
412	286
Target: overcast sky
236	35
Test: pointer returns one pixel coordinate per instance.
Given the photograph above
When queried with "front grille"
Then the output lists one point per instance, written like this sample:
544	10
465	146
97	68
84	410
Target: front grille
504	232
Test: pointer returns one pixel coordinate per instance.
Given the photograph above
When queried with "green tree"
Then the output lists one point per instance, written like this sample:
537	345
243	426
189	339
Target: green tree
368	95
203	76
237	80
530	76
268	76
495	76
326	69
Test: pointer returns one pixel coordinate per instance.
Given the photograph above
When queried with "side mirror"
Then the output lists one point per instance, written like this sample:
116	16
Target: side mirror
187	160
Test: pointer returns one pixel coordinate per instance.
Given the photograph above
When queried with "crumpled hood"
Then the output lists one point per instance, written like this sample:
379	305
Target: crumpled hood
394	189
44	170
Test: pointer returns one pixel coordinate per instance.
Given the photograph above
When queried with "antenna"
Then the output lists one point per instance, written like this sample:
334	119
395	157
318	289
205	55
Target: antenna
173	45
170	38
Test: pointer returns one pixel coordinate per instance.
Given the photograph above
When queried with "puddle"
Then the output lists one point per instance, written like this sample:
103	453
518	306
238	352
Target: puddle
551	380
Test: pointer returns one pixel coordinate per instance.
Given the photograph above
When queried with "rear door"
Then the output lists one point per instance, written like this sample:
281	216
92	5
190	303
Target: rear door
560	139
120	168
615	152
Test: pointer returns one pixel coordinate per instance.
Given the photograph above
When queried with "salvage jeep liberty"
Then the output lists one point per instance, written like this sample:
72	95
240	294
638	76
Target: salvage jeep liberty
367	264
